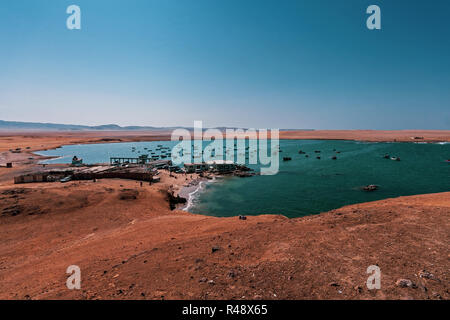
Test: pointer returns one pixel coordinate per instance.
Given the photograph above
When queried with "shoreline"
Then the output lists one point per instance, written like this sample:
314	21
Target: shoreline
187	192
42	140
130	245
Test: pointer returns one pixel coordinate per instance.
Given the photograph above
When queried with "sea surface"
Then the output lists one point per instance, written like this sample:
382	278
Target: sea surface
304	185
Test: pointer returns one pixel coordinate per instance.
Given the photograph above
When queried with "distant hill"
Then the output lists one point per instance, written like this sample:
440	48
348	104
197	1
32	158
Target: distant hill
16	126
39	126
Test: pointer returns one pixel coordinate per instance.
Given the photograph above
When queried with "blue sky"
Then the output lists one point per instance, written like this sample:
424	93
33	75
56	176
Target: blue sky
250	63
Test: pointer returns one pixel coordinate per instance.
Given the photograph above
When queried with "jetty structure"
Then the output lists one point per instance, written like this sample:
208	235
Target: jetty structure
142	159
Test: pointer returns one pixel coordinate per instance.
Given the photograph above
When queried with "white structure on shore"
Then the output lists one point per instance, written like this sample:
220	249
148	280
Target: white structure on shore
215	165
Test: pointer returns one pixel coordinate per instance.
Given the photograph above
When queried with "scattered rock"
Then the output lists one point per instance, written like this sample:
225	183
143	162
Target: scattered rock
334	284
174	200
15	191
13	210
211	282
242	218
214	249
405	283
437	296
427	275
358	289
203	279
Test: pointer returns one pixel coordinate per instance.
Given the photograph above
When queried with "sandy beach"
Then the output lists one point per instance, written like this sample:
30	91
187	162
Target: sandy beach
130	245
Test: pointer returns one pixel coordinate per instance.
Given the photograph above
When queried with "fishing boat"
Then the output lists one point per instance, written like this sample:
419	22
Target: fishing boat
370	187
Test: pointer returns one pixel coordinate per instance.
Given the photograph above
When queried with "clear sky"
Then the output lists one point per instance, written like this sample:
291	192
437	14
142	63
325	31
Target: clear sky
249	63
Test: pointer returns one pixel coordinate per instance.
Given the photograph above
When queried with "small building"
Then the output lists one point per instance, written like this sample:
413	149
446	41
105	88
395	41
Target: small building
30	178
216	165
195	167
222	165
160	164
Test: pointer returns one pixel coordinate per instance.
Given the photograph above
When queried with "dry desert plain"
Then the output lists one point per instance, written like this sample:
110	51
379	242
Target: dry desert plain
130	245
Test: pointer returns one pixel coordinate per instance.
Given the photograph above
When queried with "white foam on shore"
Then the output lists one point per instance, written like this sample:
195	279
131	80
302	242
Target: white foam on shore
50	158
193	195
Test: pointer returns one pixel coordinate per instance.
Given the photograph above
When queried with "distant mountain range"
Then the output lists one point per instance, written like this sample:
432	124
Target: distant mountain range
39	126
17	126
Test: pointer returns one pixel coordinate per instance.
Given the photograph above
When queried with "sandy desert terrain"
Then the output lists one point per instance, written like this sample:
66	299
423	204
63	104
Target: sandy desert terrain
130	245
48	140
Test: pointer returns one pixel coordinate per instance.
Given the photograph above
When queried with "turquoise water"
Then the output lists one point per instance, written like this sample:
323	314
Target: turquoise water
306	185
100	153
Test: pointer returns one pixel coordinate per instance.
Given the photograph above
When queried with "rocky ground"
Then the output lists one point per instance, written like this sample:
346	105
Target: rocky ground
130	245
